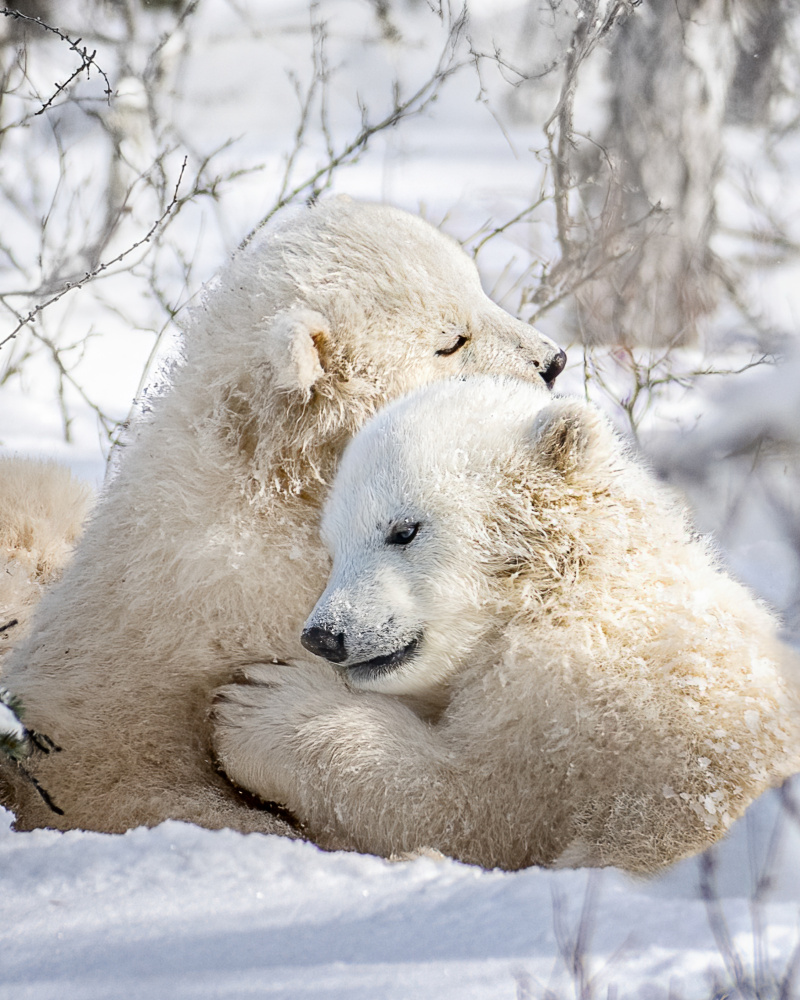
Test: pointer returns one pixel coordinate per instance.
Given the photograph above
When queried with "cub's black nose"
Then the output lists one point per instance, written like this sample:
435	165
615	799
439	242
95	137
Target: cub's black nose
554	369
322	642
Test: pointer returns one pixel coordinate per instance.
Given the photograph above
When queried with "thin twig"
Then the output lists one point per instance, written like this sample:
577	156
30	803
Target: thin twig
413	105
70	285
87	59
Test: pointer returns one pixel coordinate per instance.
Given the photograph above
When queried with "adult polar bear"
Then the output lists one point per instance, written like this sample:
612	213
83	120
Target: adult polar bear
203	552
548	667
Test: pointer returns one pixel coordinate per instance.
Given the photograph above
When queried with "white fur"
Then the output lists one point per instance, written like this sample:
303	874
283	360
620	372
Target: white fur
42	511
203	552
588	688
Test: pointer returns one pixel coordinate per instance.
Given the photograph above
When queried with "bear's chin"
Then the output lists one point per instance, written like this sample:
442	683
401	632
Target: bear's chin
365	673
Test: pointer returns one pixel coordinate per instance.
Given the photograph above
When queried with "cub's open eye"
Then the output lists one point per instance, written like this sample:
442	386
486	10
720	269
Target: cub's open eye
457	344
402	533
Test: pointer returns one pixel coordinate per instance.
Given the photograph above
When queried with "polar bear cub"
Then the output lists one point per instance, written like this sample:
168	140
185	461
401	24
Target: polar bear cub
533	659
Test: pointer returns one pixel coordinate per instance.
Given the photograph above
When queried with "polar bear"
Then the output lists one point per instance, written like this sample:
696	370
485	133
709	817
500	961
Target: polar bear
42	511
203	553
532	660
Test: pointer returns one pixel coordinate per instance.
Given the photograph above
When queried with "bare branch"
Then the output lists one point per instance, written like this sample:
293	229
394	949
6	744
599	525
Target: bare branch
87	58
90	275
415	104
590	28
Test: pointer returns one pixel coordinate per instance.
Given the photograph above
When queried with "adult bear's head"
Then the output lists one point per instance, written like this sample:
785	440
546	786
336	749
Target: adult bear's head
340	308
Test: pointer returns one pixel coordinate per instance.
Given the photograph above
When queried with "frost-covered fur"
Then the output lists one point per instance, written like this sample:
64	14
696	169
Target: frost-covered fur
537	663
42	511
203	552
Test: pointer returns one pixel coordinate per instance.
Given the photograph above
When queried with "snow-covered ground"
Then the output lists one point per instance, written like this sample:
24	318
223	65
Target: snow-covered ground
182	912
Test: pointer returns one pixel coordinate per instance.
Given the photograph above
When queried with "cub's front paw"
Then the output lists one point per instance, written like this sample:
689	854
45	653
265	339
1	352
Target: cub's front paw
263	727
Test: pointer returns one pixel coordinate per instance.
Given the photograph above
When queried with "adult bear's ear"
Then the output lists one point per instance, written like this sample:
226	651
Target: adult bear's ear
295	341
570	437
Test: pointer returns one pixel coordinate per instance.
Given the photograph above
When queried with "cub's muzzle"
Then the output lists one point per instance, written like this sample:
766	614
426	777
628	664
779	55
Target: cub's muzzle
325	643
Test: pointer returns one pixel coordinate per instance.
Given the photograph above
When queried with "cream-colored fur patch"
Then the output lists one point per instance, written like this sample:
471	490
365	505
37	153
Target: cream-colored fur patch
42	512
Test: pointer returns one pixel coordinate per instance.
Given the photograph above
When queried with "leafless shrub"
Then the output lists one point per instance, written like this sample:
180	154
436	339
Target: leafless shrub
110	226
748	976
85	222
637	269
313	102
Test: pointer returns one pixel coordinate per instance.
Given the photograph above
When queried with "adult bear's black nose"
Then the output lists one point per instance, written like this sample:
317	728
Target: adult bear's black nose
555	368
323	642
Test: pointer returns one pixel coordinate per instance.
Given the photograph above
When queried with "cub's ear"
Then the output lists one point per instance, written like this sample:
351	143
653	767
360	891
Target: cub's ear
570	437
295	339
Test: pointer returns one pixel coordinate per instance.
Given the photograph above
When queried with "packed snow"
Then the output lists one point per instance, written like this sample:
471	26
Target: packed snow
182	912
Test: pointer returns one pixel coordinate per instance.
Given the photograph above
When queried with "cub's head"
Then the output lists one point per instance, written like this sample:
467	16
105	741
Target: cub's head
454	510
343	307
